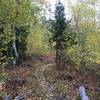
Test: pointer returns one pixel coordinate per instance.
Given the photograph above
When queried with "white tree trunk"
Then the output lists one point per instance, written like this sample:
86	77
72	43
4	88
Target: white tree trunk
14	43
15	49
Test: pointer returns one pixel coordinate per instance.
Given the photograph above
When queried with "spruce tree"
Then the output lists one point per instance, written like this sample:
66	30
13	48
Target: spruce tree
58	28
63	37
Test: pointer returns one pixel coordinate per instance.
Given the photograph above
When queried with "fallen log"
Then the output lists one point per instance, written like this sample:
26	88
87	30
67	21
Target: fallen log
19	98
82	93
96	89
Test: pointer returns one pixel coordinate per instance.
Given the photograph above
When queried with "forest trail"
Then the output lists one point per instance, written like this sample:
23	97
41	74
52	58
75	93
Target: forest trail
48	89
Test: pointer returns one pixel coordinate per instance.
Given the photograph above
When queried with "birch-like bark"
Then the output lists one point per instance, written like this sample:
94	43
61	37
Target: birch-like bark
15	49
13	42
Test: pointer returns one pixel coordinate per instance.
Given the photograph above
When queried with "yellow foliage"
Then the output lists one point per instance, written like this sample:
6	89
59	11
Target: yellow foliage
37	42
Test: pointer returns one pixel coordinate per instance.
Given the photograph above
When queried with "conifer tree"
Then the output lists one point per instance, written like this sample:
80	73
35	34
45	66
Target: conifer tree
62	36
58	26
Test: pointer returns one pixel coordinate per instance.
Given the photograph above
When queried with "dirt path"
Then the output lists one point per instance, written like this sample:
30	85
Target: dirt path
48	89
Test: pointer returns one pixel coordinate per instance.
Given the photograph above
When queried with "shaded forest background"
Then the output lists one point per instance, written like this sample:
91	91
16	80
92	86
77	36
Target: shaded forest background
30	30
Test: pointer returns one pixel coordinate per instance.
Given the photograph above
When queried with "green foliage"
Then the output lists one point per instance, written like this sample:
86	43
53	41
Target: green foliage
16	18
63	35
38	41
58	26
21	35
4	41
84	20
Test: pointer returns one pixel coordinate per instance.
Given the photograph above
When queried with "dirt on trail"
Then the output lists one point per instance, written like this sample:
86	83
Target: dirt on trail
48	88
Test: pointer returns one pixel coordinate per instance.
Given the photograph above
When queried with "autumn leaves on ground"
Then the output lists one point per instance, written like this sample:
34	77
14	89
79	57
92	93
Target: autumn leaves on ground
38	79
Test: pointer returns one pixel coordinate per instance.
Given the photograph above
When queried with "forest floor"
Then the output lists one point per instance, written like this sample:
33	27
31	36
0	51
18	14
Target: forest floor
42	81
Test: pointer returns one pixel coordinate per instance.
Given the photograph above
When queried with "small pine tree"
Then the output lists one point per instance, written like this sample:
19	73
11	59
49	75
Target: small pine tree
58	28
62	37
